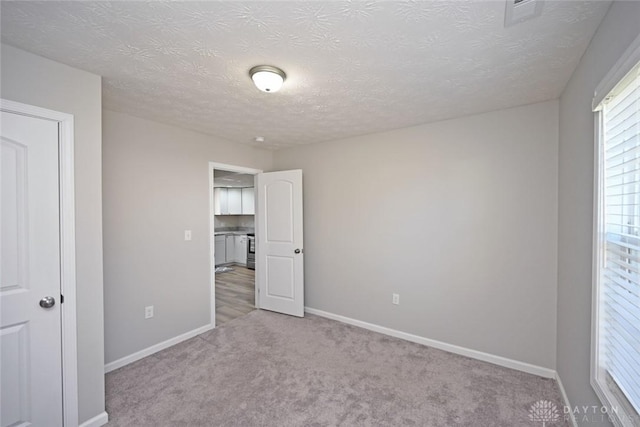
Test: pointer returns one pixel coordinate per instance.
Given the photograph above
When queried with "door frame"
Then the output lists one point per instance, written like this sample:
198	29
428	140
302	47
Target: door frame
67	250
212	228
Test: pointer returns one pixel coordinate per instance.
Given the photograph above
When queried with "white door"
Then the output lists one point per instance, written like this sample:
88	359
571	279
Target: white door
279	253
30	335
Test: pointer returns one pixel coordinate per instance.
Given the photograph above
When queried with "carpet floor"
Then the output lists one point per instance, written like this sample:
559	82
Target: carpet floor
267	369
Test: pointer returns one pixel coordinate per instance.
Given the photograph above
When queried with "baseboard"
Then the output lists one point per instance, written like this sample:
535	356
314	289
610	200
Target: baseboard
463	351
97	421
565	398
155	348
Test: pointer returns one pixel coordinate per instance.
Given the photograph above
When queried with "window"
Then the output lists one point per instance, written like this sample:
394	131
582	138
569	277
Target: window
616	349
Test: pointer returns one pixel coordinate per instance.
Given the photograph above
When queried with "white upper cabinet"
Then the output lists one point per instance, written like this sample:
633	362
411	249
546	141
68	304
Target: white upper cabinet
248	201
220	201
235	201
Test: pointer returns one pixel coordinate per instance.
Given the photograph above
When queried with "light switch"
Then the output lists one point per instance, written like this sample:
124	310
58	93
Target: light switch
187	234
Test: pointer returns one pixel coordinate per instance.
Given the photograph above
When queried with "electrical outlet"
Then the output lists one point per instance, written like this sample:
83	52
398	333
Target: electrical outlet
396	299
187	234
148	312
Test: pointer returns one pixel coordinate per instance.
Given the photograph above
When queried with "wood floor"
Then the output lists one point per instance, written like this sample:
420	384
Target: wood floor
235	294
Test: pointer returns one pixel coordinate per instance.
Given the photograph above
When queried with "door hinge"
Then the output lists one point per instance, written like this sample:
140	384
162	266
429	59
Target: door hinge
61	299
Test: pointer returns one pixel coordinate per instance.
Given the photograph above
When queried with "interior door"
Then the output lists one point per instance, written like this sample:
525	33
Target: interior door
279	253
30	323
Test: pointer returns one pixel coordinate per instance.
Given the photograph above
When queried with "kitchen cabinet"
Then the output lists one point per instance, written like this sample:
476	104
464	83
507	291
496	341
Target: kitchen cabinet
234	197
241	249
230	248
233	201
248	201
220	201
220	249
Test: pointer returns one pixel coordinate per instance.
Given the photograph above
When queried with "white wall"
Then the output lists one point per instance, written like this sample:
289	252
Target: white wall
155	186
618	29
459	217
34	80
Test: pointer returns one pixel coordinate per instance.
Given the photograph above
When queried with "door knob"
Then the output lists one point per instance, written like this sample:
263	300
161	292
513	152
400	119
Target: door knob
47	302
297	251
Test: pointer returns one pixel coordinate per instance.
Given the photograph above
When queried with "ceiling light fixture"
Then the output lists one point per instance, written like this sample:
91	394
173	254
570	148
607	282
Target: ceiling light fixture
267	78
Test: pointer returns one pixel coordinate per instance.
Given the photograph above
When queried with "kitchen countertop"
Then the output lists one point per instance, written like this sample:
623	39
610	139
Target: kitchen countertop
236	232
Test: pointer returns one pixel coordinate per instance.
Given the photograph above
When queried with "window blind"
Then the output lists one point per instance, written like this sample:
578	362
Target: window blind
620	270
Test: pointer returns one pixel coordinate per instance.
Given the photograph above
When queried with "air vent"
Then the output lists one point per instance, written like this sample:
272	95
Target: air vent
518	11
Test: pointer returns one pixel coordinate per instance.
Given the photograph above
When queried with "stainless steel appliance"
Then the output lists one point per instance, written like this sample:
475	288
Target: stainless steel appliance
251	251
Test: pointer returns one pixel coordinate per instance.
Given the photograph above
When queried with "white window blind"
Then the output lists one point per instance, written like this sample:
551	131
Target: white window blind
619	272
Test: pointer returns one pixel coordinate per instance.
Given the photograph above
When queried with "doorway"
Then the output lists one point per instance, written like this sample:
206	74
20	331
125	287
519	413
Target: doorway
232	248
235	293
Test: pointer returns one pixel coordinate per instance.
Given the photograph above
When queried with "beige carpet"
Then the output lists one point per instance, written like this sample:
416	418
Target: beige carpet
266	369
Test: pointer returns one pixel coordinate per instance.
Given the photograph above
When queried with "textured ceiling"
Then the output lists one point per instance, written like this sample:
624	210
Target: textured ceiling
353	67
222	178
